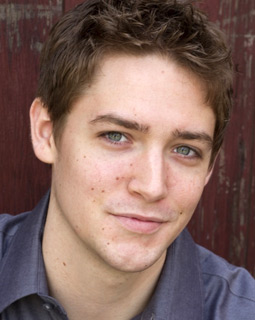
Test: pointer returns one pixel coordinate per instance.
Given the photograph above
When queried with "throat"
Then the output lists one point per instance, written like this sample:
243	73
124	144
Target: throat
94	295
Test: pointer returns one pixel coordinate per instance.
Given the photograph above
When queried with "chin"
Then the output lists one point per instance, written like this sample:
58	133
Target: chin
136	262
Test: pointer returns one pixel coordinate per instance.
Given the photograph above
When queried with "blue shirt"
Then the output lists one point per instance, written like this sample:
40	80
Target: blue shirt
194	284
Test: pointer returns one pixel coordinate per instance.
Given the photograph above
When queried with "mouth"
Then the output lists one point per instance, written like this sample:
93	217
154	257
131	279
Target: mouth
139	224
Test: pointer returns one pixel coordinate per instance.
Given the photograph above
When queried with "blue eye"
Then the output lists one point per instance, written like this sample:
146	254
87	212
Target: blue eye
114	136
186	151
183	150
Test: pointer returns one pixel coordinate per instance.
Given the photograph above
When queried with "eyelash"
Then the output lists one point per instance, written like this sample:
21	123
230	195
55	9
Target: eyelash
105	135
195	155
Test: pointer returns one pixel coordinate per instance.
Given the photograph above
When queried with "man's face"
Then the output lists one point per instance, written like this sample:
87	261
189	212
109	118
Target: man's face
132	161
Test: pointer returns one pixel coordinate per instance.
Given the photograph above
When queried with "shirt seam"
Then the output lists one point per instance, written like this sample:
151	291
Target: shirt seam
231	291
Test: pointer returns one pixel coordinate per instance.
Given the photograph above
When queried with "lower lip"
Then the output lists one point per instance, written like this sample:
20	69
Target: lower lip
138	226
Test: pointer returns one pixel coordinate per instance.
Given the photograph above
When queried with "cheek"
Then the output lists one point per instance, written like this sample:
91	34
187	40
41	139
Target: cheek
97	176
189	194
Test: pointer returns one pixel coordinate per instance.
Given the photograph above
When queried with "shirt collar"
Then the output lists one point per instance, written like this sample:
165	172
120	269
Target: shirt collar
179	293
22	271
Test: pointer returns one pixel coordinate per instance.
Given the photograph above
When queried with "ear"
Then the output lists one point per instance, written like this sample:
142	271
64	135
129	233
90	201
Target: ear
210	171
209	175
42	132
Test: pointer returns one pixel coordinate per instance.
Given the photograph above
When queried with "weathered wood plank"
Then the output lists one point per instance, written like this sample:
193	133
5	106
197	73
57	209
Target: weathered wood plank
225	221
23	25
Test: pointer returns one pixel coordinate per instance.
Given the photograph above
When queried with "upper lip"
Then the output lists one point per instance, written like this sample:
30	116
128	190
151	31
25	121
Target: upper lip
140	217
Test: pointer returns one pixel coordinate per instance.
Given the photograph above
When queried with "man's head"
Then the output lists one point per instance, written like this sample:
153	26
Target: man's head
130	95
173	29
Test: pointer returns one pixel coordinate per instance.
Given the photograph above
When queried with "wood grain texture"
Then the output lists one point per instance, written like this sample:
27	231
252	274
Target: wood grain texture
225	218
24	26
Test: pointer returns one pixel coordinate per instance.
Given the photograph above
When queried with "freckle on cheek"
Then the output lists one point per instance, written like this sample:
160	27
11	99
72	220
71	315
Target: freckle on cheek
64	264
117	178
92	189
131	164
102	191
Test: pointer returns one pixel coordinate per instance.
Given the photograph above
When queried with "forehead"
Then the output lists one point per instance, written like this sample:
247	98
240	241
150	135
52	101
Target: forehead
150	70
146	78
146	89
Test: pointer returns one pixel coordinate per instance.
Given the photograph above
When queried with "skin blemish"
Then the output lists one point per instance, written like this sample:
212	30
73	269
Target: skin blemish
102	191
92	189
102	229
64	264
84	157
117	178
131	165
181	213
108	243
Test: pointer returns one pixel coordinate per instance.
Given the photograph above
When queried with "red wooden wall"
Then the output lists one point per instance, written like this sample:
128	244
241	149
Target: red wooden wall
225	219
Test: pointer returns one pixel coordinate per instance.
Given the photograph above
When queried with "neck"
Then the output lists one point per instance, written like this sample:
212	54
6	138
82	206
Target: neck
95	290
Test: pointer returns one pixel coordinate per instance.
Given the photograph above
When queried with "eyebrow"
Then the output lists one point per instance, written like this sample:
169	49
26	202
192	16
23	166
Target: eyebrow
190	135
186	135
111	118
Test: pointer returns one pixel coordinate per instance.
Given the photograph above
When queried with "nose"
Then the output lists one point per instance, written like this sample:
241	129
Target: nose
149	177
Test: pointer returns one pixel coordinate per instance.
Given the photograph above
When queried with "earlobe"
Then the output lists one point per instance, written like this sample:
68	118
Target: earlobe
210	171
42	132
211	168
208	176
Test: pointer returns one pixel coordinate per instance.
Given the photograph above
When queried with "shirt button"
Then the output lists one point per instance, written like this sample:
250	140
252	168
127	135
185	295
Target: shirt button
47	306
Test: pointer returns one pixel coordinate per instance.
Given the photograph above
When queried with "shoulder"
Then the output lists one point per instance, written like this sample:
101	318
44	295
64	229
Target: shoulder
9	225
229	290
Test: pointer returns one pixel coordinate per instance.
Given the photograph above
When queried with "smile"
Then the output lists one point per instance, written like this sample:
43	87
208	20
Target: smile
139	224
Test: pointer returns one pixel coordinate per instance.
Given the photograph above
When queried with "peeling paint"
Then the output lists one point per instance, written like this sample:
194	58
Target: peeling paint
249	40
249	69
12	14
222	173
239	244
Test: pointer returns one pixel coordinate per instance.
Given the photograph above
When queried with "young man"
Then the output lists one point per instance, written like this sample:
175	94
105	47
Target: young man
133	101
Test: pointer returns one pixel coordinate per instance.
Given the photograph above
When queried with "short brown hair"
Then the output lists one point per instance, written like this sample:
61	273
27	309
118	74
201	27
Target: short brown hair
78	42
